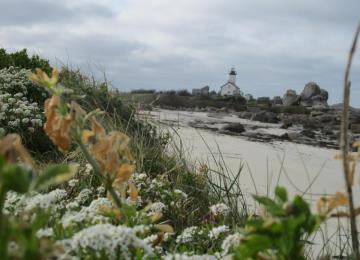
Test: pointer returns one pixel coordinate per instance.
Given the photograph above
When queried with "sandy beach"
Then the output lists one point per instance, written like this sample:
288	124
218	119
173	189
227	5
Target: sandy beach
303	169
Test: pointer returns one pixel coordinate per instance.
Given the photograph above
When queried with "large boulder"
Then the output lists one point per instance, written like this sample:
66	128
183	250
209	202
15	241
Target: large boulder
313	95
311	89
290	98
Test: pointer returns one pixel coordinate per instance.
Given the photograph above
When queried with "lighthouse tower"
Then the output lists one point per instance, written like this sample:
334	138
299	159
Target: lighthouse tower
232	76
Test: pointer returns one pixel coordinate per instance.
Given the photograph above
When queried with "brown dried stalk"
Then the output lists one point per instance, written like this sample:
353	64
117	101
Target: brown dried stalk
344	145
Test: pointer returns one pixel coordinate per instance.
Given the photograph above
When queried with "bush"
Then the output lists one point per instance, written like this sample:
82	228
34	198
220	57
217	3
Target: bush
22	60
183	92
143	91
290	109
21	107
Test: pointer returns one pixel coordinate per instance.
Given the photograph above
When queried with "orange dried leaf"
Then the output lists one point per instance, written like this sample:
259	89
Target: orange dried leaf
165	228
133	192
57	127
156	217
338	199
124	173
12	149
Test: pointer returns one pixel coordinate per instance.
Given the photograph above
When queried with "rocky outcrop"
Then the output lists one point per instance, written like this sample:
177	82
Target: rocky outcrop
245	115
312	95
290	98
265	116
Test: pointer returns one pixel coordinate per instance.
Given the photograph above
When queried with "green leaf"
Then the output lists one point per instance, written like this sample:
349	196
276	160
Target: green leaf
55	174
253	245
16	178
281	194
270	205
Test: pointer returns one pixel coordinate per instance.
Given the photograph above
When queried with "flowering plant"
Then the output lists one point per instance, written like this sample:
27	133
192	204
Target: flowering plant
20	102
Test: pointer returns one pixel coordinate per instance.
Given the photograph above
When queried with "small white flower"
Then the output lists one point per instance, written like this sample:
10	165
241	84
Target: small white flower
189	257
45	232
73	182
156	207
217	231
231	242
187	235
88	168
112	240
220	209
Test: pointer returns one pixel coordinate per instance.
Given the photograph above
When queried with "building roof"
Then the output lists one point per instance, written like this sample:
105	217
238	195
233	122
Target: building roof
232	72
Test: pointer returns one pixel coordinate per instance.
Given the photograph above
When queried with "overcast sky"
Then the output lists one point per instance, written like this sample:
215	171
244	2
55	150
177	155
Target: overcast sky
165	44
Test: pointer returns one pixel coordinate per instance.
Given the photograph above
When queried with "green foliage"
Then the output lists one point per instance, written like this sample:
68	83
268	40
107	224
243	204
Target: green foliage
21	59
21	109
290	110
176	101
13	229
281	232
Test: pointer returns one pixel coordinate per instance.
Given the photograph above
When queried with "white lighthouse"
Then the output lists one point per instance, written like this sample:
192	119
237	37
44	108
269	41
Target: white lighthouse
232	76
230	88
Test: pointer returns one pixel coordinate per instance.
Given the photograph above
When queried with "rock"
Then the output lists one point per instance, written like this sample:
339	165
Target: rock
290	98
286	125
245	115
223	109
234	127
289	136
324	94
265	116
316	113
355	128
311	89
308	133
293	135
313	95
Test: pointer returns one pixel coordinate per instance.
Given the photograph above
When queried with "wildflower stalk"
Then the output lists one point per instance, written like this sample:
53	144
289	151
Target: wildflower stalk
344	145
97	171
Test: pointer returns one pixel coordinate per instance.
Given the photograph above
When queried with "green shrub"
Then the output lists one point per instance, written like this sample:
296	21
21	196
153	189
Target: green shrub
21	109
22	60
290	109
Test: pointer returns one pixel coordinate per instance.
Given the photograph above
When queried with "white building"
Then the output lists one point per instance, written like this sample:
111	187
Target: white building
230	88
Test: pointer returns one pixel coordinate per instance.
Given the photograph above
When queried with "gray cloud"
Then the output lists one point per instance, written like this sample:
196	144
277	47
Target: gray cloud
274	45
27	13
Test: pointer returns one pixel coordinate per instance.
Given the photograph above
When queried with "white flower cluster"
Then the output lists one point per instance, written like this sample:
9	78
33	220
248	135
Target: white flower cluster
220	209
231	242
49	201
17	111
88	214
117	242
13	203
189	257
45	233
83	196
217	231
156	207
187	235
